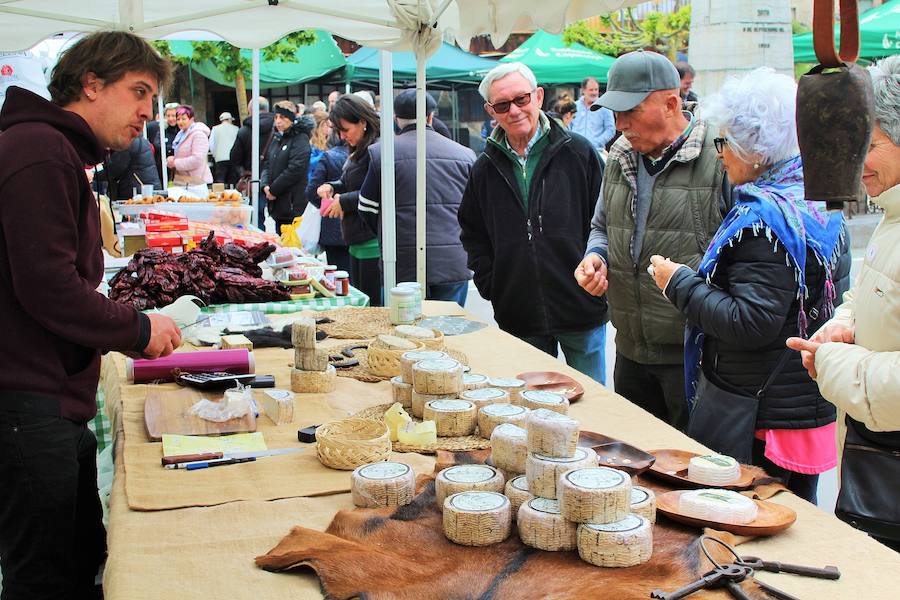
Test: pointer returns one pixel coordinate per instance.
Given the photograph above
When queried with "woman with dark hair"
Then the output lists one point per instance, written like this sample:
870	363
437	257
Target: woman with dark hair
357	123
191	145
284	176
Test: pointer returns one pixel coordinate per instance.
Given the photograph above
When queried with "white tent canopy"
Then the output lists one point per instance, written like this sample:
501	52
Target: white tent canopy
396	25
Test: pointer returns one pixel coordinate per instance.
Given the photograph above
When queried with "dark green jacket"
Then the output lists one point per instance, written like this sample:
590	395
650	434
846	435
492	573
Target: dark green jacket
684	215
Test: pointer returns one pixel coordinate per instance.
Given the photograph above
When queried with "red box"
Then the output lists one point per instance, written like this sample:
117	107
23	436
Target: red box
170	242
157	226
160	215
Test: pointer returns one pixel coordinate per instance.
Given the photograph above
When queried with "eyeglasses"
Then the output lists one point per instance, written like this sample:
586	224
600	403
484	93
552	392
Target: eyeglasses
719	143
520	101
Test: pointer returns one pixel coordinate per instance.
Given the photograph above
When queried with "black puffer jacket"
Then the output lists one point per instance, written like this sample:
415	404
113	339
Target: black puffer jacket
242	151
124	165
353	228
747	314
286	170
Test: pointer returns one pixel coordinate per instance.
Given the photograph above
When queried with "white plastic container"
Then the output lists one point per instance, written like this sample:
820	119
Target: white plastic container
414	285
402	306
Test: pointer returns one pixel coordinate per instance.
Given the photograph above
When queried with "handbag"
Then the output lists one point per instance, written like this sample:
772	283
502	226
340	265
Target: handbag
870	469
725	421
310	229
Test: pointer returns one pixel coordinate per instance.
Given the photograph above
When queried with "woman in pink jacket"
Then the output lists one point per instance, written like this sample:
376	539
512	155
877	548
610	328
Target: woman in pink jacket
191	147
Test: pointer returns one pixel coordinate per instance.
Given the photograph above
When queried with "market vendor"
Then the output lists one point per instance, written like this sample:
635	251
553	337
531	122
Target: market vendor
54	323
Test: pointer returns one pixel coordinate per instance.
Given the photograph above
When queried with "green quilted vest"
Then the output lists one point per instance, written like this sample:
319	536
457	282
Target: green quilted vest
684	215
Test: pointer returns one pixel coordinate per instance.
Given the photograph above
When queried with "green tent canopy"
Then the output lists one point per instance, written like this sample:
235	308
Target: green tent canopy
312	61
448	65
554	62
879	35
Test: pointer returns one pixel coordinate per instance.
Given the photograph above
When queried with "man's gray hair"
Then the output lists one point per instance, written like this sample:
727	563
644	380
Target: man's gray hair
886	83
263	104
501	71
757	114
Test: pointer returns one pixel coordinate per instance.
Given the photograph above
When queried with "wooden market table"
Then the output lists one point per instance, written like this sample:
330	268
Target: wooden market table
195	535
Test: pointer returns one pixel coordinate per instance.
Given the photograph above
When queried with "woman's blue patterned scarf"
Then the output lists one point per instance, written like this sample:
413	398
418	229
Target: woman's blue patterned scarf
773	206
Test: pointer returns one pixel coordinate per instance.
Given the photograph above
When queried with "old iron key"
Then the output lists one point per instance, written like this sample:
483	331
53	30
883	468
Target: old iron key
707	581
827	572
728	576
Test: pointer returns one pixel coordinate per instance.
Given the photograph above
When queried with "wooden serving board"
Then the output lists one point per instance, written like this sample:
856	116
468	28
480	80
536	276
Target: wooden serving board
772	518
167	412
672	465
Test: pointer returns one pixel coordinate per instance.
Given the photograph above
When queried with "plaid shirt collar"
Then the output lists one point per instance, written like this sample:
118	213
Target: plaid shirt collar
627	157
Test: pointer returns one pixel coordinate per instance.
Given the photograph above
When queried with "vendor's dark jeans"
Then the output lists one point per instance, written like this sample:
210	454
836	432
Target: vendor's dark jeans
658	389
365	275
452	292
52	539
805	486
338	256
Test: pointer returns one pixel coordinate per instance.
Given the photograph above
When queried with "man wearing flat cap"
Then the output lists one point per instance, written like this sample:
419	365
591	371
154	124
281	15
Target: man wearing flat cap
447	170
664	192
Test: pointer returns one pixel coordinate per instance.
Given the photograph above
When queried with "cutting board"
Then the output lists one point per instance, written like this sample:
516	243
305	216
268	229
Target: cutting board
167	412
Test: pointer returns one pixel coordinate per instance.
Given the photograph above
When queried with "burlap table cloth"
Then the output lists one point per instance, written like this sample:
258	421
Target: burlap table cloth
207	552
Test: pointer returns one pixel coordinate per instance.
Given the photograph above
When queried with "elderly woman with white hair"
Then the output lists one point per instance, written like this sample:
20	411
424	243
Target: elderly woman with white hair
770	272
855	357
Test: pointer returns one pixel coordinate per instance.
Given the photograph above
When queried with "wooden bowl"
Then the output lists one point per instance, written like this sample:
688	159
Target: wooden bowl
551	381
772	518
616	453
672	465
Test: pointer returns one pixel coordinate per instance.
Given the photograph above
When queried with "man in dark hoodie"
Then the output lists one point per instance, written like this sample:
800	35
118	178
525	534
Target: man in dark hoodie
242	151
54	322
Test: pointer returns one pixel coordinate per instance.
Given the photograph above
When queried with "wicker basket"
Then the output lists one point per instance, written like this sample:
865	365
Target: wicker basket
350	443
435	343
385	362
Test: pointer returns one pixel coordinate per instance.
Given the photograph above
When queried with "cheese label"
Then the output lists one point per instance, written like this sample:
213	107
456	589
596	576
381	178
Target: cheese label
483	394
423	355
520	483
450	405
638	495
600	478
719	460
503	410
722	496
549	415
469	474
507	382
508	429
474	378
478	501
629	523
438	364
580	454
385	470
544	397
545	505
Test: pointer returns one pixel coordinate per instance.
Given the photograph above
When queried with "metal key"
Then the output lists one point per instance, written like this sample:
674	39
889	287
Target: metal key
727	576
773	591
707	581
758	564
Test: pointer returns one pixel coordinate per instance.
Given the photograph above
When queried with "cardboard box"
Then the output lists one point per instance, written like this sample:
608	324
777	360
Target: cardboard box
159	226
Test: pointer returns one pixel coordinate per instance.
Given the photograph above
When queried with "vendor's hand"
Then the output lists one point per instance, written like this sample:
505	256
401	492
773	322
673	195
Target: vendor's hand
170	162
591	275
335	210
325	190
662	270
165	336
807	350
269	195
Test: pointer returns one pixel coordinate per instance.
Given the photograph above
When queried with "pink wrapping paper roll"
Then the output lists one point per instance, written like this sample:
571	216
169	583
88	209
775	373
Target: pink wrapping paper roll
236	362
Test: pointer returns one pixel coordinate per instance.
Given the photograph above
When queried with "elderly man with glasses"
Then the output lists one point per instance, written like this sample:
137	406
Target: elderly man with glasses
525	219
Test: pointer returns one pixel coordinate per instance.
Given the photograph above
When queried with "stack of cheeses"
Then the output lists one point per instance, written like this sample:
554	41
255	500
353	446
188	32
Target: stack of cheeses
311	372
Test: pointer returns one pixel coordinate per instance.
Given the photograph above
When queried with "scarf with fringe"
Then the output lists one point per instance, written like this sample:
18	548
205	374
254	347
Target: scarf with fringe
774	206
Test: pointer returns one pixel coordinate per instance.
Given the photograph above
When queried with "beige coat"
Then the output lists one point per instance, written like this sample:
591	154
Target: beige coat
863	379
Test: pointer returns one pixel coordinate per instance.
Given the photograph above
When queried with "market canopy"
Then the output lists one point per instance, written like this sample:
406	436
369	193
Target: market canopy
879	35
449	64
554	62
310	62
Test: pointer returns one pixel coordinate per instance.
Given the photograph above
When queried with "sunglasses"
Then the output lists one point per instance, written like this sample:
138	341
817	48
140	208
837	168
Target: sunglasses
719	143
520	101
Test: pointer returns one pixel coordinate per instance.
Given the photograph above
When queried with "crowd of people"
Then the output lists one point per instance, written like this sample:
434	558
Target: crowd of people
694	238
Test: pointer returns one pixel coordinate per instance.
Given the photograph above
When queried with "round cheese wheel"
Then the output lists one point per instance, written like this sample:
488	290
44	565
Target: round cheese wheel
408	359
595	495
512	385
413	332
509	449
401	392
464	478
473	381
452	418
477	518
542	526
714	469
543	472
493	415
551	433
624	543
643	502
382	484
517	492
482	397
535	399
393	342
439	376
417	408
724	506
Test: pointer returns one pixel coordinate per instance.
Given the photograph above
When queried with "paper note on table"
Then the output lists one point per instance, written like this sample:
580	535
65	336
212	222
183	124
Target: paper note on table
177	445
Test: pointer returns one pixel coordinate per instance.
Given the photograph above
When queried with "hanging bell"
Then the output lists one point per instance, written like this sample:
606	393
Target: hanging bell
835	110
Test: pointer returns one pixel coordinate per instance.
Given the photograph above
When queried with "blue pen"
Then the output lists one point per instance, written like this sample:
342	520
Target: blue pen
217	463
